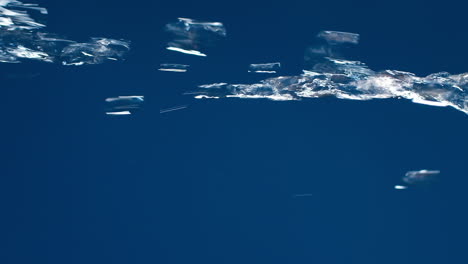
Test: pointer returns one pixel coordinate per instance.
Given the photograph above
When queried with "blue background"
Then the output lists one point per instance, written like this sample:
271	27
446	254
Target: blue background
215	183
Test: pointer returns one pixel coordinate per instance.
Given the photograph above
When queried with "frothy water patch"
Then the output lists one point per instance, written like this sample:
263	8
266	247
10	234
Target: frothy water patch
328	73
23	38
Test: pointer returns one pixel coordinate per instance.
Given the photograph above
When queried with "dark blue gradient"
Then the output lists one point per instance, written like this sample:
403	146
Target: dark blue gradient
215	183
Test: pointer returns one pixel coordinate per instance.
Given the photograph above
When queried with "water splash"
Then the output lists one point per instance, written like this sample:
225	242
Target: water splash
191	37
23	38
328	74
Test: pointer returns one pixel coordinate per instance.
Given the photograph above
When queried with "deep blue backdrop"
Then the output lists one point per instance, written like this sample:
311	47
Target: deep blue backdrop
214	183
